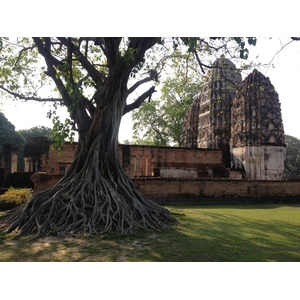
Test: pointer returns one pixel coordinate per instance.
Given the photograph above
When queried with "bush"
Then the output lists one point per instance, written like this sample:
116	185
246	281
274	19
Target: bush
14	197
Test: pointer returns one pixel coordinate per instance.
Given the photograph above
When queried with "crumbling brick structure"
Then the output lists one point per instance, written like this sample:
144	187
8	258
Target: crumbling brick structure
141	161
219	88
241	118
257	137
40	157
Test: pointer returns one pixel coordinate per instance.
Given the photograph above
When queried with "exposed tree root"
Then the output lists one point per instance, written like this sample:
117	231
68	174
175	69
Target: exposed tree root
87	206
96	196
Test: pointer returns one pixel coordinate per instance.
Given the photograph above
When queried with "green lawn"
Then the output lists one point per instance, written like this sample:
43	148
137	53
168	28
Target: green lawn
206	233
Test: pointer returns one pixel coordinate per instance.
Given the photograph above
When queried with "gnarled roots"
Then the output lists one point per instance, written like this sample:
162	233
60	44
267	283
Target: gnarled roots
85	206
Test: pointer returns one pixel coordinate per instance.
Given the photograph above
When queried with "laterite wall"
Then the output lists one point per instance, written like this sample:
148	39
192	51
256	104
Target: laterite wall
173	190
200	190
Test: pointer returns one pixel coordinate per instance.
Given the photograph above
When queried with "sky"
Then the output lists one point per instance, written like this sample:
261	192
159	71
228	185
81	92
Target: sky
284	76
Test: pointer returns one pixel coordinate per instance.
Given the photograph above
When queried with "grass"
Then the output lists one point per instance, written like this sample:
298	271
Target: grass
245	233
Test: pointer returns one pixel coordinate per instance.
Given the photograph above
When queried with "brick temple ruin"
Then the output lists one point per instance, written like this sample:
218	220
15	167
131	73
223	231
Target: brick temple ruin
233	129
137	161
243	118
171	175
232	146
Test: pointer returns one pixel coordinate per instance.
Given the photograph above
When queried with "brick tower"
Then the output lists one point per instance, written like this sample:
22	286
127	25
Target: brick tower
257	141
215	105
207	122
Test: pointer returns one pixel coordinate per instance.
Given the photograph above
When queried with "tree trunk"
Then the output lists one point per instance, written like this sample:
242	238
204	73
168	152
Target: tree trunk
95	196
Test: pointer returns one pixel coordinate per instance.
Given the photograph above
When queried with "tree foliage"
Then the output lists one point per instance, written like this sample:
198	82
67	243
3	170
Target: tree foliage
18	139
160	120
27	134
8	135
98	80
37	131
292	160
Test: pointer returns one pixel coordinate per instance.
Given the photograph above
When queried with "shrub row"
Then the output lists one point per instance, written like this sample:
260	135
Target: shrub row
14	197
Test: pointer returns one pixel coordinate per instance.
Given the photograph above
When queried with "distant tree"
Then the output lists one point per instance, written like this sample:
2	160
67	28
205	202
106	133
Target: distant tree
18	139
27	134
7	131
292	160
8	135
126	142
159	122
149	127
37	131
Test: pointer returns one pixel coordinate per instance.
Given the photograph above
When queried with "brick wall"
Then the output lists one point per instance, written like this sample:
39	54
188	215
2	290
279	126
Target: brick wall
147	161
173	156
139	161
55	162
193	190
189	191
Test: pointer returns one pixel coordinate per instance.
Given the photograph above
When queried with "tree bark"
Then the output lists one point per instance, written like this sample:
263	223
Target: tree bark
95	196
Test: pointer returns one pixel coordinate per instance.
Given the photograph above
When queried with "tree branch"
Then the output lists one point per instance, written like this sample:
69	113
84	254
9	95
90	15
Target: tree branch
26	98
141	45
137	103
110	48
78	110
152	76
21	51
45	51
97	76
293	39
89	106
198	60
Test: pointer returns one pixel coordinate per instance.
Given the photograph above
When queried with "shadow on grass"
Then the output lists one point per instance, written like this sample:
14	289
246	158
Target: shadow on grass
204	234
240	234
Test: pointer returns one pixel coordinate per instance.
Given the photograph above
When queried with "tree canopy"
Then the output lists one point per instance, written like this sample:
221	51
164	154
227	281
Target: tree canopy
98	80
37	131
159	122
80	68
292	160
18	139
8	135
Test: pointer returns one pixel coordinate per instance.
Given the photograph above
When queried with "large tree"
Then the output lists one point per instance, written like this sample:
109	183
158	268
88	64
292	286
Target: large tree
92	78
